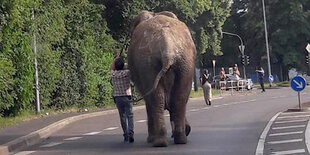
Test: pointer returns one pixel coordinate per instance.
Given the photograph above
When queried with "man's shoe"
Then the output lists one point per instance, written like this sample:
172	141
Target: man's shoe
131	139
125	139
209	102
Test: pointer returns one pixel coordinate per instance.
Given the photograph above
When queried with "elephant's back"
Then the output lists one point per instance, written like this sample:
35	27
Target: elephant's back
158	35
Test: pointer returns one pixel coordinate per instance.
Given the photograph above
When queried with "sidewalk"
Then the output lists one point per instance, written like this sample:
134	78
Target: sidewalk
10	133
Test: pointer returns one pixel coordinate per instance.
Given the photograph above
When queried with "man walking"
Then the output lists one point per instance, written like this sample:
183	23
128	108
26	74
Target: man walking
261	73
122	96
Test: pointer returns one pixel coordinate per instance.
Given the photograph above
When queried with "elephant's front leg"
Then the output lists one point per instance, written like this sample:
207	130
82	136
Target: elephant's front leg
156	120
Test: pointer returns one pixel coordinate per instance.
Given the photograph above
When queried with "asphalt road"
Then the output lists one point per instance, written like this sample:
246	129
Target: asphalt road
231	126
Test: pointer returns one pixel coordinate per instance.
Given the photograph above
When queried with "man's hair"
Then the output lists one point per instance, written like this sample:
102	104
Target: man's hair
119	64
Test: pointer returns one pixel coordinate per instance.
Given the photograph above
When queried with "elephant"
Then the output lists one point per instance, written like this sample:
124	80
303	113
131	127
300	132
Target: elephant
161	59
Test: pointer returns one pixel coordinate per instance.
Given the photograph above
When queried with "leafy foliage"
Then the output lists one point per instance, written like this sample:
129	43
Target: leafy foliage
76	41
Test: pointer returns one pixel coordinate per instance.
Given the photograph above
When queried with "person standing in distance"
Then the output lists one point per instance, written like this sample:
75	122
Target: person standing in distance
206	87
222	77
120	79
261	73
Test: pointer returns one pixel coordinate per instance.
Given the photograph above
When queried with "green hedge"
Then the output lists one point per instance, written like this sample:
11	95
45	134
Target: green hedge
74	54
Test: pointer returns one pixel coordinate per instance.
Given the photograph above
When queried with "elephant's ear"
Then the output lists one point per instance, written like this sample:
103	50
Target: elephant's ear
144	15
167	13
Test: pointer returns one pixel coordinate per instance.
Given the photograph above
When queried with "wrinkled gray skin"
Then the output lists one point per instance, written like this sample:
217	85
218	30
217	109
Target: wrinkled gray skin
161	61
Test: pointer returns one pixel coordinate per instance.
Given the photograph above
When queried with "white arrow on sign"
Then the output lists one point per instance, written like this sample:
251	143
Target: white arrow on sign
308	48
299	85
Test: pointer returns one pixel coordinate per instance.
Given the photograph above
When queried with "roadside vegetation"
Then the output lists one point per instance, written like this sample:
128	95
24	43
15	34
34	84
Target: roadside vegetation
76	41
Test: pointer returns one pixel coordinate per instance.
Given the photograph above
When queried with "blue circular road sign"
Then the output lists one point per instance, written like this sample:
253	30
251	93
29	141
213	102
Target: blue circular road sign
271	79
298	83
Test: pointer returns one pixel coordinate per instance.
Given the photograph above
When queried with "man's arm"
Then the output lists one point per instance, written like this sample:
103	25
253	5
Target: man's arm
112	67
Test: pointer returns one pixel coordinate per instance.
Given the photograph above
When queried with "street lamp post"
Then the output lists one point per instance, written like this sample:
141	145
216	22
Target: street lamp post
241	48
213	62
36	75
266	37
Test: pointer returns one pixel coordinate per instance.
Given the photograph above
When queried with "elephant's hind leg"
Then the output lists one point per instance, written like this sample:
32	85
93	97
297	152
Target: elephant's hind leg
156	121
178	101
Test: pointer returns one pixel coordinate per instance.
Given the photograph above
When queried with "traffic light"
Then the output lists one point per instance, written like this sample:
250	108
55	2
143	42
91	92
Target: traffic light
247	60
243	59
307	59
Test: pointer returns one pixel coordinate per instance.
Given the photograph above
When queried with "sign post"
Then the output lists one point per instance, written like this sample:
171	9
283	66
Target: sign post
298	84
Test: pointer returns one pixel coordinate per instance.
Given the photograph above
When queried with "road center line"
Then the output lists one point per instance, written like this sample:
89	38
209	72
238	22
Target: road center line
111	128
51	144
91	133
141	121
285	141
205	108
25	152
292	121
193	110
288	152
288	127
286	133
72	138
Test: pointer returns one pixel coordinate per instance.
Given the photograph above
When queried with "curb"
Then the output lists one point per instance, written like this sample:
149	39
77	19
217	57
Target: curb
41	134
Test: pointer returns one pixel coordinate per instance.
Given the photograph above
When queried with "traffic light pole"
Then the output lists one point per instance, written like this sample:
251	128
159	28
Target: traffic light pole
242	47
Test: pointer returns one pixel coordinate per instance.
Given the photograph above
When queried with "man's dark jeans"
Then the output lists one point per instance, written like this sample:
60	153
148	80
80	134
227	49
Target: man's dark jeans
261	82
124	107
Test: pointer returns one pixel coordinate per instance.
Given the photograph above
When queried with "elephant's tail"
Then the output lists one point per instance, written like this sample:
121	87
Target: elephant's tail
156	81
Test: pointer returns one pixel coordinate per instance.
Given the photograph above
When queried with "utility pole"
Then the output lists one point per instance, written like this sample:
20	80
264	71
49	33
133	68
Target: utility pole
266	37
36	70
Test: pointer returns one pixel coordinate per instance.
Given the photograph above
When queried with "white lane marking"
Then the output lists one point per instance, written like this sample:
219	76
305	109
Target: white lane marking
285	141
261	141
217	98
72	138
51	144
288	127
111	128
216	106
141	121
24	152
307	136
193	110
290	113
205	108
274	97
167	115
288	152
292	121
293	116
91	133
225	104
286	133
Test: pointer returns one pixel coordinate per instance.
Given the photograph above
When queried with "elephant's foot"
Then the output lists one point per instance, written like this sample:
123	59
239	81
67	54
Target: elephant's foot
180	138
187	129
160	142
150	139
